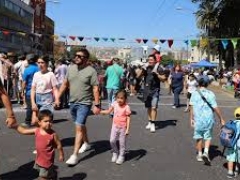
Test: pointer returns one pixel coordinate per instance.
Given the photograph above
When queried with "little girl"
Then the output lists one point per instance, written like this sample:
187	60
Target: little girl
120	126
191	86
46	140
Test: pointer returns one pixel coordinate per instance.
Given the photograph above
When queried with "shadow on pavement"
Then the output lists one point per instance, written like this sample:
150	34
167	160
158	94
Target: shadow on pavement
79	176
164	124
135	154
214	152
56	121
24	172
97	147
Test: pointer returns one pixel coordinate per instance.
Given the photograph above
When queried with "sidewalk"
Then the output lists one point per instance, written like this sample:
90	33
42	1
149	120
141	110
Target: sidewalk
215	86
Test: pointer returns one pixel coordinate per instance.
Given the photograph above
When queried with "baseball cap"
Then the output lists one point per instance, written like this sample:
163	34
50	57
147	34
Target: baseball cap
157	47
204	79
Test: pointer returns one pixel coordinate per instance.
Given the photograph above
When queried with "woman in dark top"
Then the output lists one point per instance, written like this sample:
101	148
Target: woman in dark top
177	77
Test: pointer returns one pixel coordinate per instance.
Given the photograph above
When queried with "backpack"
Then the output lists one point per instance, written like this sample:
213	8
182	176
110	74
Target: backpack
229	134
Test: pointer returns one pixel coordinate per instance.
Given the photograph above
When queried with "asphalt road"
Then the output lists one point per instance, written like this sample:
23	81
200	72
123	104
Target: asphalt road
168	154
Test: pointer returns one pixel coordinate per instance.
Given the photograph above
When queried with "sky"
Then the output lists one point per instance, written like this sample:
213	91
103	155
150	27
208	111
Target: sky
128	19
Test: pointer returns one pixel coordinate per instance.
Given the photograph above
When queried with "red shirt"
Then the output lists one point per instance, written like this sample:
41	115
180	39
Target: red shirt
45	149
120	114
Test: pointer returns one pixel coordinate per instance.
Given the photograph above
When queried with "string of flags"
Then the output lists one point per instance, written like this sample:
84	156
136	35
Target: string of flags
203	42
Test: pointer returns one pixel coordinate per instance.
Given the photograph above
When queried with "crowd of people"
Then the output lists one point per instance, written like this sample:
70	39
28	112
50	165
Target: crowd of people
81	84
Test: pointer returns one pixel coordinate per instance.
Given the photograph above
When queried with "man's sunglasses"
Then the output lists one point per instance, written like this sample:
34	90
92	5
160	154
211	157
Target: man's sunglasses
80	57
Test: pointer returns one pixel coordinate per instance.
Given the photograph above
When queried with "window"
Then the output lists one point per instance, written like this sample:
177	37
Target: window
9	5
16	9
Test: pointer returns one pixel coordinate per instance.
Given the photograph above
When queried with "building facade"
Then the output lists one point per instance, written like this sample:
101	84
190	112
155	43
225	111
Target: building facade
16	23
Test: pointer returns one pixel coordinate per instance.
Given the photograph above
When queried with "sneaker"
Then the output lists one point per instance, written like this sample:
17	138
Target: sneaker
186	110
114	157
148	125
73	160
34	152
199	158
85	147
206	159
230	175
174	107
120	160
152	129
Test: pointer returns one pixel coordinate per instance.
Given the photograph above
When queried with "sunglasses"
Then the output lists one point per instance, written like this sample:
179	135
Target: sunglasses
80	57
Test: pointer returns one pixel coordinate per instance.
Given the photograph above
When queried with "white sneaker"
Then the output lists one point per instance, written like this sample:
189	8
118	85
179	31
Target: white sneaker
152	129
199	158
85	147
206	159
120	160
114	157
148	125
34	152
73	160
174	107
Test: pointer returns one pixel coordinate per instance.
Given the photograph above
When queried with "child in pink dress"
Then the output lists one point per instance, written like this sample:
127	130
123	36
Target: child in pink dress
46	141
120	126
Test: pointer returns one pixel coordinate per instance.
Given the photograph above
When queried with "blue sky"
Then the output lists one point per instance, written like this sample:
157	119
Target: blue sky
125	18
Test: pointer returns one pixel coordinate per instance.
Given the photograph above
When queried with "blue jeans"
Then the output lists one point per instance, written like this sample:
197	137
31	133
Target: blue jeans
80	113
28	118
111	95
177	91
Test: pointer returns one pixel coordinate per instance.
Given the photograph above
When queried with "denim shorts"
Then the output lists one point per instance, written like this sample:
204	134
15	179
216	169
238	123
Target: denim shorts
45	172
152	101
80	113
206	135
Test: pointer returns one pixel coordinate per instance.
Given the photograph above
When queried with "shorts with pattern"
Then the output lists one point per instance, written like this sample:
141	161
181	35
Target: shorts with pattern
205	134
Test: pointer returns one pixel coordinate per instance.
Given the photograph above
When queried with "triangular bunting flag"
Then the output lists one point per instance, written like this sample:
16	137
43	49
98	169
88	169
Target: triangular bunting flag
170	43
162	41
6	32
81	38
145	41
112	39
72	37
186	42
105	39
155	40
64	37
193	42
97	39
121	39
225	43
203	42
139	40
234	42
55	37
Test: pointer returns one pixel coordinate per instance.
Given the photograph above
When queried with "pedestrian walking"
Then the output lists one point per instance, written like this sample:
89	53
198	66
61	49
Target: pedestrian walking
44	89
177	81
152	90
191	86
120	126
46	141
28	74
203	106
83	83
113	76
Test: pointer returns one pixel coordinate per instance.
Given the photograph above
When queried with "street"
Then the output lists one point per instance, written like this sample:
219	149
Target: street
167	154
